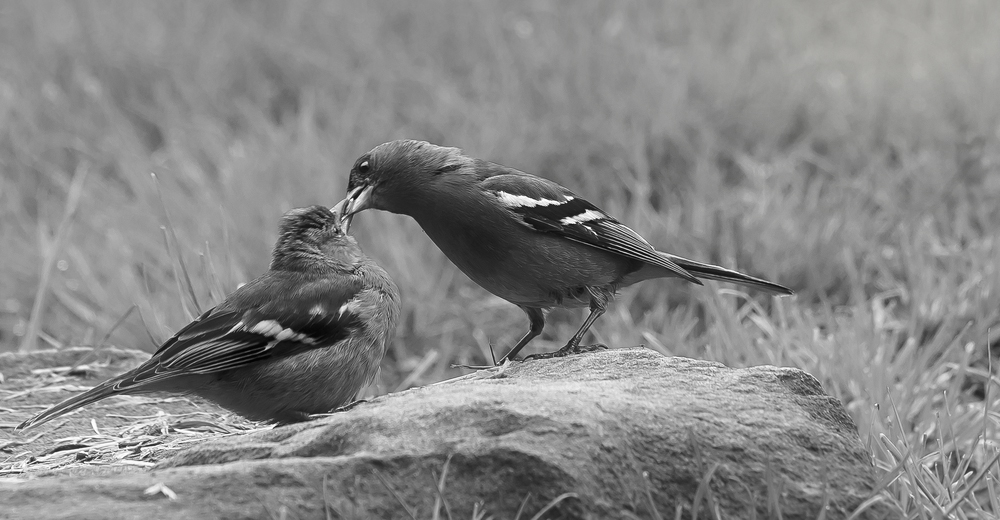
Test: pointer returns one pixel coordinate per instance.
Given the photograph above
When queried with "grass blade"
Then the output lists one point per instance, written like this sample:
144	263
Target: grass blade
50	247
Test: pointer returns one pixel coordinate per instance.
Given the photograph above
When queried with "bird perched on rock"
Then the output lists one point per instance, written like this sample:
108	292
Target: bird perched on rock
526	239
303	338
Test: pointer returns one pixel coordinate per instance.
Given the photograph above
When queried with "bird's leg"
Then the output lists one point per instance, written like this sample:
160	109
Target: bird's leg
598	304
536	319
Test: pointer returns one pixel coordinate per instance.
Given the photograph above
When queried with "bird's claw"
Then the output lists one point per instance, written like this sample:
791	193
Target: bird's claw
568	350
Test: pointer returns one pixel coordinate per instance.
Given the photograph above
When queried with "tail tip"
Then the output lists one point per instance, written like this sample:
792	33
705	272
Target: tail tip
26	425
781	290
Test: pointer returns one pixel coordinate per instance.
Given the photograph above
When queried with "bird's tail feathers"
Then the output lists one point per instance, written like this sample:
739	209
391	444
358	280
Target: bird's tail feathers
101	391
714	272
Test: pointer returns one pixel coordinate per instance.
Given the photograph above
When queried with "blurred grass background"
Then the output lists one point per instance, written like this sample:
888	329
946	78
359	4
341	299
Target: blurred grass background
848	149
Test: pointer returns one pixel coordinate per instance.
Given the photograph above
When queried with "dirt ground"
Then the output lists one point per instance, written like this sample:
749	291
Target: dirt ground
119	434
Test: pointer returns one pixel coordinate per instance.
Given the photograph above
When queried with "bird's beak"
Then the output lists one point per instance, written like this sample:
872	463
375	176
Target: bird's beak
357	200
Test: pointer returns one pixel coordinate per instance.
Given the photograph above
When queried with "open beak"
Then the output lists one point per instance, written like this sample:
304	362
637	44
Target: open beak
357	200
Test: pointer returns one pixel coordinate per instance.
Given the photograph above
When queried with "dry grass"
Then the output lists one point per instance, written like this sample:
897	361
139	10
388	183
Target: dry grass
849	149
118	437
147	441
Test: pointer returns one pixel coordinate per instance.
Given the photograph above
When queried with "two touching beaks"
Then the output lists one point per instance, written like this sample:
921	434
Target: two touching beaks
357	200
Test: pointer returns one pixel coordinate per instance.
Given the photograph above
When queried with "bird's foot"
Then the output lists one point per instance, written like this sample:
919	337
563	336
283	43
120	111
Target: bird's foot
568	350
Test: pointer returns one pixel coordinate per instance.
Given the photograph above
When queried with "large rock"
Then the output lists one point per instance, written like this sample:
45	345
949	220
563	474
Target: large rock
631	433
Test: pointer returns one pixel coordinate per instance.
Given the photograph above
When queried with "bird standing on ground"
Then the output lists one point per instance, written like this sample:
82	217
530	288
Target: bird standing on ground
526	239
303	338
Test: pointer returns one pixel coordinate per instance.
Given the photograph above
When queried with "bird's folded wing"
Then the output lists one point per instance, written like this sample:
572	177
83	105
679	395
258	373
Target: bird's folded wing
548	207
233	336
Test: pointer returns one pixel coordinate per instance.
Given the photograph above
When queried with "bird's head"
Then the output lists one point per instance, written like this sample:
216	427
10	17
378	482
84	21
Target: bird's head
394	176
313	237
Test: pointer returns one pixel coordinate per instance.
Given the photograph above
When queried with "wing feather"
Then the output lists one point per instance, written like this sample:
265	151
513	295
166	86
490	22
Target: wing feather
232	336
548	207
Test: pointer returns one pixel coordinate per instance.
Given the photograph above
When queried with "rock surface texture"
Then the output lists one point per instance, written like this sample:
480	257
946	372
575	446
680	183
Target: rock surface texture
631	433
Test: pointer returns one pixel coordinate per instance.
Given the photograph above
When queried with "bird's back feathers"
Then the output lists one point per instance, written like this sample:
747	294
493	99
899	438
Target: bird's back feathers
548	207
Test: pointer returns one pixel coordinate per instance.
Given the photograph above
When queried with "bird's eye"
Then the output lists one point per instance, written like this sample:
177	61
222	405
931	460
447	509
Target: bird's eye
363	167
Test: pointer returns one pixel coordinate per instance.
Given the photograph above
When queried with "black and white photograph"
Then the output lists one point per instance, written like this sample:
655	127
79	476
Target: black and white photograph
500	260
